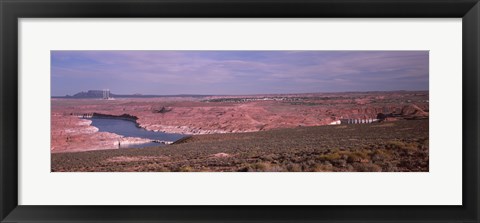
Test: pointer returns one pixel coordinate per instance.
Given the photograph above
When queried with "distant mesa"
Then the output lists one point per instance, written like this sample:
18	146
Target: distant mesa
100	94
89	94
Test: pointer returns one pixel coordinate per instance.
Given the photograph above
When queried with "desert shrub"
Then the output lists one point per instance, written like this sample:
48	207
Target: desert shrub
162	169
293	167
357	156
275	168
410	147
322	168
185	169
261	167
331	156
395	144
339	163
381	154
398	145
269	157
367	167
255	167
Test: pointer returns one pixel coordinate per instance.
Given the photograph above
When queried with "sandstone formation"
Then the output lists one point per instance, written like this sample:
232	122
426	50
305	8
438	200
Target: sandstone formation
222	114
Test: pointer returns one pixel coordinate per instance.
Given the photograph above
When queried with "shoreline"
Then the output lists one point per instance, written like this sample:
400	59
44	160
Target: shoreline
184	130
69	133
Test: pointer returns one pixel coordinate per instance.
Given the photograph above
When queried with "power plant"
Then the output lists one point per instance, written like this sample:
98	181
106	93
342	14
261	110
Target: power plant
106	94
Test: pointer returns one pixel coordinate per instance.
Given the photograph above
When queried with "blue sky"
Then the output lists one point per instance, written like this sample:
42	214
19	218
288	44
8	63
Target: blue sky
237	72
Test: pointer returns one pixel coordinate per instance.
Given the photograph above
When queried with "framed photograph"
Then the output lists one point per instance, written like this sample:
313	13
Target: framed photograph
227	111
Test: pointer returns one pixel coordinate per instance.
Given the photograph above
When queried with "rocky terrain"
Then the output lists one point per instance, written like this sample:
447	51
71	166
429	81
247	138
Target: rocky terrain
72	134
225	114
400	146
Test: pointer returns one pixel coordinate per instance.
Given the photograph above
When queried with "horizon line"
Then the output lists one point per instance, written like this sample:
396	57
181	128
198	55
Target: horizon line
325	92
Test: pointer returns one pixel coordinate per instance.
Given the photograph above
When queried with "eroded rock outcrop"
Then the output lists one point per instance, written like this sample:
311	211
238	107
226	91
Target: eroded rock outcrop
216	115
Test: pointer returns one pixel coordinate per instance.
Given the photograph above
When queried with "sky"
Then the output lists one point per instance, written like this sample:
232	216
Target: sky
237	72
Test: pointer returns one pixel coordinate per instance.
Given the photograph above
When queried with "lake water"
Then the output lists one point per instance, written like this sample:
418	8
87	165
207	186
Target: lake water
129	129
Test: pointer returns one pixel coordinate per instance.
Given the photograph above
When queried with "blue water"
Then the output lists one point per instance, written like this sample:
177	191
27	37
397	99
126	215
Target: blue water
129	129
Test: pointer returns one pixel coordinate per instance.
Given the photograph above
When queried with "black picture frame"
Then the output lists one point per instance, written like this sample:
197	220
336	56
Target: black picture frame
12	10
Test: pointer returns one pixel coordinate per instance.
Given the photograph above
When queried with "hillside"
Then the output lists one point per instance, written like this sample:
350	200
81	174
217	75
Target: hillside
387	146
